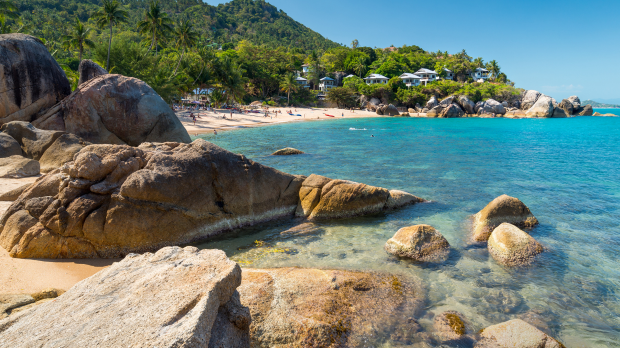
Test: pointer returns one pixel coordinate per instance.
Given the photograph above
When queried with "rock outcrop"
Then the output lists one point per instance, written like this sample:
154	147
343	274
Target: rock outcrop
567	106
542	108
287	151
502	209
466	104
294	307
515	334
31	79
575	101
115	109
115	199
88	70
491	106
529	99
60	152
9	146
452	111
432	103
15	303
325	198
18	167
435	112
419	242
173	298
510	246
585	111
559	113
34	142
447	101
387	110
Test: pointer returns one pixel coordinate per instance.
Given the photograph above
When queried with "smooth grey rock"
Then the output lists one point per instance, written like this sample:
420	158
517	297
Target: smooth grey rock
515	334
542	108
585	111
18	167
432	103
529	99
9	146
447	101
567	107
575	101
419	243
452	111
466	104
33	141
510	246
88	70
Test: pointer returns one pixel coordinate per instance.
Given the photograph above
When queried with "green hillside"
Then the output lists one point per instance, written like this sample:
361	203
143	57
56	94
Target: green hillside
599	105
254	20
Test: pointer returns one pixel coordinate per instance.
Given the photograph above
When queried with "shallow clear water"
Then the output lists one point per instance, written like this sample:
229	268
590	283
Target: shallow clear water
565	170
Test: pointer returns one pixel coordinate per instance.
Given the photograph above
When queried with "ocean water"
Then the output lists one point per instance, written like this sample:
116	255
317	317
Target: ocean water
566	170
614	111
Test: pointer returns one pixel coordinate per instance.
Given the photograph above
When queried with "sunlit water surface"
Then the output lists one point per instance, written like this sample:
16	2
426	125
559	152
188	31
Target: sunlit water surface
565	170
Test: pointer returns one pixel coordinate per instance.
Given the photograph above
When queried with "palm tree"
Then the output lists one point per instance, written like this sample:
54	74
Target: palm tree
494	68
155	24
110	14
315	71
231	79
186	38
217	97
479	62
289	84
8	10
78	38
360	67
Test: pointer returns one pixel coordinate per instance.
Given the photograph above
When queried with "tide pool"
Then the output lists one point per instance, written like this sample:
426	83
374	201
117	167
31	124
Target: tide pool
565	170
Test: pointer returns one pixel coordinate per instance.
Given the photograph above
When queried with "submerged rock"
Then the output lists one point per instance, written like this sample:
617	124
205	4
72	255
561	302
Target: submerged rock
502	209
294	307
115	199
287	151
515	334
452	327
324	198
510	246
173	298
419	242
115	109
32	81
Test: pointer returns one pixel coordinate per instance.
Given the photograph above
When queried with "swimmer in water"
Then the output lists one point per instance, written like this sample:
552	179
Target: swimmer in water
372	135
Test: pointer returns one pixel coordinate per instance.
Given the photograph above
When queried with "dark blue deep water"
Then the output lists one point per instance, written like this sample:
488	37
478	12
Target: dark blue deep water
566	170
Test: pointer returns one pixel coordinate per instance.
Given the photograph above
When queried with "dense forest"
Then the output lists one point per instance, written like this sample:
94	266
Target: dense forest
241	51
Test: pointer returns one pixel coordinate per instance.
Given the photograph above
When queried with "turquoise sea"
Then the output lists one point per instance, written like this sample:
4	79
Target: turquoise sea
614	111
566	170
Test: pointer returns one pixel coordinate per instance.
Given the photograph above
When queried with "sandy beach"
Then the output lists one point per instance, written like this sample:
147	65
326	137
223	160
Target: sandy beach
207	121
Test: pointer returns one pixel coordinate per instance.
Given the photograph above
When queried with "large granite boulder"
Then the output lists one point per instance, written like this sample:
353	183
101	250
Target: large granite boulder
294	307
567	106
515	334
431	103
115	109
60	152
510	246
116	199
585	111
9	146
515	114
452	111
491	106
435	112
324	198
419	242
559	113
529	99
34	142
18	167
31	79
88	70
478	106
575	101
542	108
502	209
387	110
173	298
466	104
447	101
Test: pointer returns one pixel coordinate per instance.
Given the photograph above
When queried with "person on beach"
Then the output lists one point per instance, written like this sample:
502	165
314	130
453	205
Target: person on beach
214	132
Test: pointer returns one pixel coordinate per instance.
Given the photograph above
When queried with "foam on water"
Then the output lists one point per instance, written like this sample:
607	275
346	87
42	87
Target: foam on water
565	170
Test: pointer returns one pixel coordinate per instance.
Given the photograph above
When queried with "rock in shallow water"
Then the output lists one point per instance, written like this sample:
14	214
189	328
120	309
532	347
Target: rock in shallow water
510	246
516	334
294	307
287	151
173	298
419	242
502	209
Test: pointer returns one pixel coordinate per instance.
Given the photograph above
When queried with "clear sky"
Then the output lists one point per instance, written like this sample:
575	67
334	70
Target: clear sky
560	48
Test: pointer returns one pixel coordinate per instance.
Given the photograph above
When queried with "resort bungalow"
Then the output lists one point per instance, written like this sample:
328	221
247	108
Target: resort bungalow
305	68
326	84
302	82
449	74
410	79
426	75
480	74
376	78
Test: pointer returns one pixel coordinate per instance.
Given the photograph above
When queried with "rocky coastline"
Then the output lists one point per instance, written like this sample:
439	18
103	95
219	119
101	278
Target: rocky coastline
121	179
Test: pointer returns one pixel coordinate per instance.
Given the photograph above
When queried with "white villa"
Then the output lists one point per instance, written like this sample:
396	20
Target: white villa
302	82
449	74
426	75
326	84
305	68
480	74
376	78
410	79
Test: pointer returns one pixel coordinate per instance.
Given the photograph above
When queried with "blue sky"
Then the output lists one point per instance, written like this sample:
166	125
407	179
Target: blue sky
560	48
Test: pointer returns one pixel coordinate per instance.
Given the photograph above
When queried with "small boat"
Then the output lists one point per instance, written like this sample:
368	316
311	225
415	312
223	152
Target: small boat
294	114
329	115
